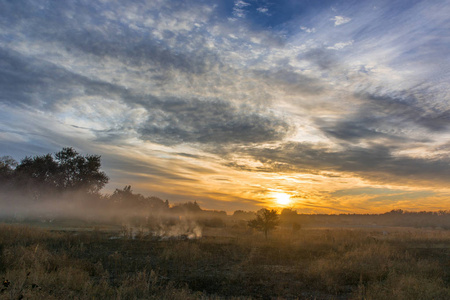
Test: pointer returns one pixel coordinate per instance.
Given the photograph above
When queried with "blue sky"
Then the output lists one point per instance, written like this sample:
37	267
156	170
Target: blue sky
231	103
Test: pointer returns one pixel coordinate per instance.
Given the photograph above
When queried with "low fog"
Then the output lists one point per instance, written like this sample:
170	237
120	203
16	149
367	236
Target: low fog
66	186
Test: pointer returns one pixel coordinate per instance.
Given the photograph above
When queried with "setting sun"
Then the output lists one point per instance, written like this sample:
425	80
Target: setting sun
282	199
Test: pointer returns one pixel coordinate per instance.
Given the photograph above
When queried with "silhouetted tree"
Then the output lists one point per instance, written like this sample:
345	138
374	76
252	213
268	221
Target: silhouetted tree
79	172
396	212
288	215
188	207
7	166
126	199
67	170
36	175
266	220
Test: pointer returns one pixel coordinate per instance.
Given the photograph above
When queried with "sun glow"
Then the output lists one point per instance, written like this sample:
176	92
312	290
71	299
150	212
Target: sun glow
282	199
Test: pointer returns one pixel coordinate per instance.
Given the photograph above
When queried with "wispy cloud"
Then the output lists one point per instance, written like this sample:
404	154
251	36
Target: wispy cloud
308	30
263	10
341	45
340	20
239	8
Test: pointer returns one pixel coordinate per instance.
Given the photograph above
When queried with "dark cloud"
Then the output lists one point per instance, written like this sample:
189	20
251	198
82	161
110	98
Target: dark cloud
352	130
29	81
35	83
176	121
323	58
22	80
388	117
140	51
189	155
406	107
376	163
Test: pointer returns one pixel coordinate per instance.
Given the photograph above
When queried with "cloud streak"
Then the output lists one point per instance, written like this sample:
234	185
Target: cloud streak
377	163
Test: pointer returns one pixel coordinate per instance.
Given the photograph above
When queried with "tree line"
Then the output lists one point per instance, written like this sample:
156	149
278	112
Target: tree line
44	175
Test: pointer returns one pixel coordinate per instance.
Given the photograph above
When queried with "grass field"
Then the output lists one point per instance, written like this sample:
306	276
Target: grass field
225	263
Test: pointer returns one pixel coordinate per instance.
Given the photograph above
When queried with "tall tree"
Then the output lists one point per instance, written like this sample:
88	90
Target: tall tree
266	220
7	166
77	172
66	170
36	175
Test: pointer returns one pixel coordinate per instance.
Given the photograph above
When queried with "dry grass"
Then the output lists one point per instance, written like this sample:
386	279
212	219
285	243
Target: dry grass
233	263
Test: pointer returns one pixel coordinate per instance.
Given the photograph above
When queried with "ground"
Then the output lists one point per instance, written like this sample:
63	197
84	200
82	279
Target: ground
58	261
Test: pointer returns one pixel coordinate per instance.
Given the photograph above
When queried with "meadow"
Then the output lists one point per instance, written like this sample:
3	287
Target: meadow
230	261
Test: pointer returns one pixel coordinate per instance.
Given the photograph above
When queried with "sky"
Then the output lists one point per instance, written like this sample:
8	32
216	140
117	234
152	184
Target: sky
321	106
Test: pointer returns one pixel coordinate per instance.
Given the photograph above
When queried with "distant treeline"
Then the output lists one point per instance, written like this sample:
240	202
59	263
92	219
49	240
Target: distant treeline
68	184
397	217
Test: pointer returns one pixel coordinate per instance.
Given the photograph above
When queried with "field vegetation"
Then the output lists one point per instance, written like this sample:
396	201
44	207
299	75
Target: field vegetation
228	262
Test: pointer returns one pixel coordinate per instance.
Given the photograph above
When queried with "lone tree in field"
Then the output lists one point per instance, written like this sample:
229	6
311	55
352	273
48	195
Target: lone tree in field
266	220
